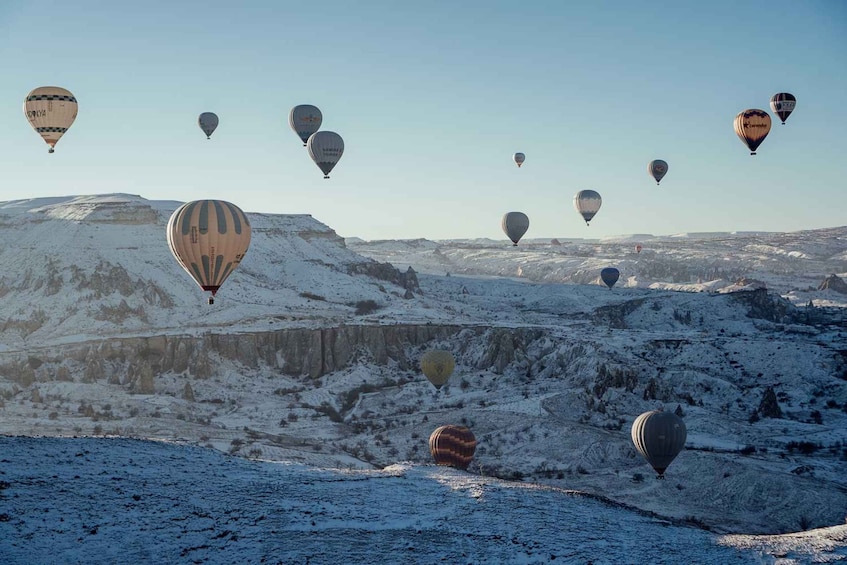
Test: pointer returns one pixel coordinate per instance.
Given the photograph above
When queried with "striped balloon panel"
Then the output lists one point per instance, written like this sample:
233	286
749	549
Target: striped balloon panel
515	224
752	127
50	111
437	365
209	238
587	203
305	120
325	149
453	446
659	437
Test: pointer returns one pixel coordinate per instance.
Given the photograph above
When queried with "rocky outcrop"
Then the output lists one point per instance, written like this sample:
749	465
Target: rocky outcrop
833	282
387	272
765	306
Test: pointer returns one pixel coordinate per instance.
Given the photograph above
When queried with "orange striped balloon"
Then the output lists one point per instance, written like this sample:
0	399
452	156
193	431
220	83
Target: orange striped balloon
453	446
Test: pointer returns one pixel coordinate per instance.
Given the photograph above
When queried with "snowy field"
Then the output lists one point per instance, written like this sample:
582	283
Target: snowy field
126	501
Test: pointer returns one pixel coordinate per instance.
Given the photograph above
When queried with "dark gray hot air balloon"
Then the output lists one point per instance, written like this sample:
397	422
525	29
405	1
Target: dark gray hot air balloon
325	149
610	276
515	225
783	104
519	159
752	127
587	203
659	437
208	122
657	169
453	446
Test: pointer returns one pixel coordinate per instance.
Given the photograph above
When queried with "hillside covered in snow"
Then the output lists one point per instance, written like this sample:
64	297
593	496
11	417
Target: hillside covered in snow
310	356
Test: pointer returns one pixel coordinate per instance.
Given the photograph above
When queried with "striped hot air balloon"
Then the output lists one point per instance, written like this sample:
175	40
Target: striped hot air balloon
209	238
783	104
50	111
305	120
659	437
587	203
453	446
325	149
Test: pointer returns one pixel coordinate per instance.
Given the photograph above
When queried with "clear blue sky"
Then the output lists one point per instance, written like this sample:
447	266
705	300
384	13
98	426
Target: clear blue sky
432	98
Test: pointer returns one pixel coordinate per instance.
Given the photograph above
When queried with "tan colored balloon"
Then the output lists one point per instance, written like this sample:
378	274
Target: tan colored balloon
437	365
752	127
50	111
209	238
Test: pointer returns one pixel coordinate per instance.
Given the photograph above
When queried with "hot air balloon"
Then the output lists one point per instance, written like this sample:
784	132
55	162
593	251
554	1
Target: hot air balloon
208	122
782	105
51	111
453	446
587	203
638	248
752	127
209	238
305	120
325	149
610	276
657	169
659	437
519	158
515	225
437	365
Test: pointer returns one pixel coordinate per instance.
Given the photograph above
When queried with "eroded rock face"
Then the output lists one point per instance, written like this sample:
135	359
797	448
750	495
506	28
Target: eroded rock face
833	282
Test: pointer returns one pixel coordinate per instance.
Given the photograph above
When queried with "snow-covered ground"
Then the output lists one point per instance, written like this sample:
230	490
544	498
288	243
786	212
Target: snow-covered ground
102	333
125	501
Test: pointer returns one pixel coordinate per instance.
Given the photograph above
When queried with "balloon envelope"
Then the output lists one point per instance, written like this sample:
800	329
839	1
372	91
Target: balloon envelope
752	127
50	111
453	446
209	238
783	104
515	225
208	122
610	276
587	203
638	248
305	120
325	149
657	169
659	437
519	158
437	365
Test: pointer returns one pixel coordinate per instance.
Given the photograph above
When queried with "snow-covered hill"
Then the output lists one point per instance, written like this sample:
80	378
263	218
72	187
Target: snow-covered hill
123	501
310	355
792	264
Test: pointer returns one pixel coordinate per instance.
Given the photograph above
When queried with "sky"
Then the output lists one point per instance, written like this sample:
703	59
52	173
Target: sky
432	99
